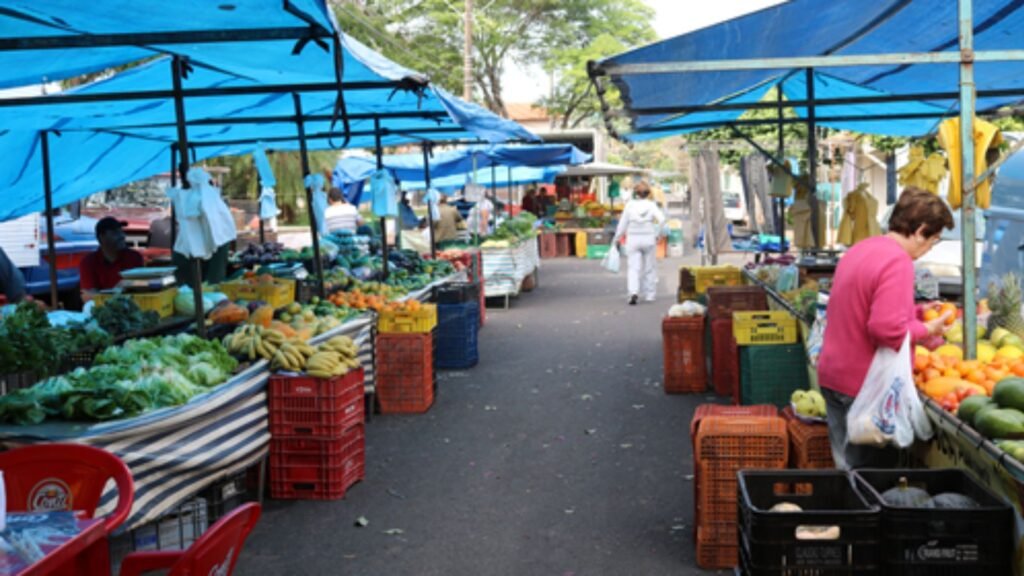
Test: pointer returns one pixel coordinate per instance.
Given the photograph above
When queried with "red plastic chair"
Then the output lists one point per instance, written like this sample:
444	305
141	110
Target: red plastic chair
65	477
215	553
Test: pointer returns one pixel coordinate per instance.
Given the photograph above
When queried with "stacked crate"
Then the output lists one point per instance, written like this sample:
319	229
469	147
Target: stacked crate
773	364
317	445
405	361
724	446
548	245
458	322
723	301
683	351
809	446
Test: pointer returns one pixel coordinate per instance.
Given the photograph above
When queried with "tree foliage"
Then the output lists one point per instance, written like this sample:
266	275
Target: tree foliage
557	35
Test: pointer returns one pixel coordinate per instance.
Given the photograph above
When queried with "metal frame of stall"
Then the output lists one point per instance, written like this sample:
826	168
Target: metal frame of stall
966	94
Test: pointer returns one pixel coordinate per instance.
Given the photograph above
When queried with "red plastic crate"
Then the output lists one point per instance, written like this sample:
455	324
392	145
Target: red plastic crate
298	474
683	351
562	243
307	406
725	359
724	300
705	410
405	373
292	452
548	244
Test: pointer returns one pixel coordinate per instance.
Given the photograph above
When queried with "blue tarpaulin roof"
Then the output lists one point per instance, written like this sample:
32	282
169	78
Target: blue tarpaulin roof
820	27
102	144
409	167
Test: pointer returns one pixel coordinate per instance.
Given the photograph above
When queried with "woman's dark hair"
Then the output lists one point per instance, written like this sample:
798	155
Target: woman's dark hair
335	195
917	208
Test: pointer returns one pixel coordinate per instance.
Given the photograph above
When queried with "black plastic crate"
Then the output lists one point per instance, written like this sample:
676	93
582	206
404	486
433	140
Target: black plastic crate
455	338
784	543
231	492
940	542
457	293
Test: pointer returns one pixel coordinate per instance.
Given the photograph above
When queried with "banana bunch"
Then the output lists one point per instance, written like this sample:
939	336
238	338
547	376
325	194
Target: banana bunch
251	341
334	357
292	356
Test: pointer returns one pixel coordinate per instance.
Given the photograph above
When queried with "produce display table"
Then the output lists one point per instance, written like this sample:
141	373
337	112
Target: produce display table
174	453
506	268
424	294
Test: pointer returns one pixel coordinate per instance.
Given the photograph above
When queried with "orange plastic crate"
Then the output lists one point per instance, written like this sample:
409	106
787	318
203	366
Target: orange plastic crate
717	546
683	351
809	446
744	438
705	410
405	373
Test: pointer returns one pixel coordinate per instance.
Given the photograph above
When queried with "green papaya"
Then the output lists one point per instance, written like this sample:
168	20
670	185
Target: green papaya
982	410
1015	448
1001	423
1009	393
970	406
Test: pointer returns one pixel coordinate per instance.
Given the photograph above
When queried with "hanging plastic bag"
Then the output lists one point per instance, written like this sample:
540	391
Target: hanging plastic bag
315	182
612	260
220	224
384	192
268	204
887	411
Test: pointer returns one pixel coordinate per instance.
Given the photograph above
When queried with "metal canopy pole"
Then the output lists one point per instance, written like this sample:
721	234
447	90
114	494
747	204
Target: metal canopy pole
259	191
179	114
430	214
508	190
494	195
51	248
174	184
780	203
812	159
379	151
967	101
314	226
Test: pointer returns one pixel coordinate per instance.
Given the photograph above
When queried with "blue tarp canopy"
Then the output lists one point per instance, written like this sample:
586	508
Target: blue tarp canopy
520	175
89	37
820	27
100	143
409	167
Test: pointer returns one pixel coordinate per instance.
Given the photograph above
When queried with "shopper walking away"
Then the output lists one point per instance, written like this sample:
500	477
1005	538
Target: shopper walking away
872	306
641	224
340	215
450	222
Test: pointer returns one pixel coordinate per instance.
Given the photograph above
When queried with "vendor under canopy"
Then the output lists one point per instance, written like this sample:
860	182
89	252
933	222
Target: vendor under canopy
102	269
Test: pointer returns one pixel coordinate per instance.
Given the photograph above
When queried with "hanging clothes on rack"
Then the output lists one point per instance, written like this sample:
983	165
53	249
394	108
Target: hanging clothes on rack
860	217
800	214
923	172
704	170
986	136
754	175
782	181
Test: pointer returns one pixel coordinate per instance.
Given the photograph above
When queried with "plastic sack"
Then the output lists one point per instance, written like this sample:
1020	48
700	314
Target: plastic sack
268	204
888	411
612	260
384	193
315	183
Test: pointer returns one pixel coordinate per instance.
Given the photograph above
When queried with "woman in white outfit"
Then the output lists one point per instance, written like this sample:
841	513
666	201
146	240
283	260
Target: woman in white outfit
641	223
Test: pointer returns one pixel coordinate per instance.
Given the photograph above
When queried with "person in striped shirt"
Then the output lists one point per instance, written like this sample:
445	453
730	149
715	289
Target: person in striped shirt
340	215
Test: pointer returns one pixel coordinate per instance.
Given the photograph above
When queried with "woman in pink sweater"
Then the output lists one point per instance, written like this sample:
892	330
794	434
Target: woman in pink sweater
872	305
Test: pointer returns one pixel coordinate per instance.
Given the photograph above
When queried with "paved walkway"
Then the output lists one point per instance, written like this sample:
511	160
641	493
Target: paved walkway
558	454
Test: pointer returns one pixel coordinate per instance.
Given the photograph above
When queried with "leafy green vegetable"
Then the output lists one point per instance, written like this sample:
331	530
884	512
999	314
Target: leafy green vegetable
121	316
125	381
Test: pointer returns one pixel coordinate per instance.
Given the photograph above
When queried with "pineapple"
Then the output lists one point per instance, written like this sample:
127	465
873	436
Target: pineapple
1005	304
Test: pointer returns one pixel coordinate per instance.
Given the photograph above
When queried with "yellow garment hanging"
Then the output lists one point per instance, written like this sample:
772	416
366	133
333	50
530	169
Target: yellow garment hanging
860	217
986	136
921	172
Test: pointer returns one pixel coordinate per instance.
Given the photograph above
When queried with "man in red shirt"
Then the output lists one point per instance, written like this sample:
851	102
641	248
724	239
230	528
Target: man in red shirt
101	270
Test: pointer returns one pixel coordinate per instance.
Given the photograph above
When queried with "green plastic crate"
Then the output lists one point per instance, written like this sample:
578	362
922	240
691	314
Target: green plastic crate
770	374
596	252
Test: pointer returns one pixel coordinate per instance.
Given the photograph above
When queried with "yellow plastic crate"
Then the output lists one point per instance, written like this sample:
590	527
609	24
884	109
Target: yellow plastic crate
421	321
278	295
695	280
161	302
761	328
581	244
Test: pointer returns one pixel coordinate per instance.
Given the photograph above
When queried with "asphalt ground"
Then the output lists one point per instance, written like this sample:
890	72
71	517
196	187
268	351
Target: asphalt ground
558	454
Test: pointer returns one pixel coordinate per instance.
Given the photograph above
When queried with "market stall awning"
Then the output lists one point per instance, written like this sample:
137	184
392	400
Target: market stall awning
664	98
499	178
98	143
601	169
50	40
410	167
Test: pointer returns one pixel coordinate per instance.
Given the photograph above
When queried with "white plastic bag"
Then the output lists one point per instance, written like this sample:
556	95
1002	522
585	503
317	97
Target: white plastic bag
612	260
887	410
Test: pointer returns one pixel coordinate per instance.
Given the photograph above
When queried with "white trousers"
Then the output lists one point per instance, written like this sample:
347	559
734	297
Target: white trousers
642	278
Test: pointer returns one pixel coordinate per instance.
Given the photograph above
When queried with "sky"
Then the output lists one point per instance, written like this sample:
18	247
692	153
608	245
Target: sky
674	17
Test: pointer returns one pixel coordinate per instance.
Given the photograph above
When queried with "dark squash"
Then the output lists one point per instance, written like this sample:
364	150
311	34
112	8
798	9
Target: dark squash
903	495
952	500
